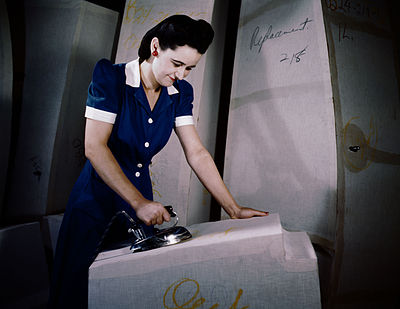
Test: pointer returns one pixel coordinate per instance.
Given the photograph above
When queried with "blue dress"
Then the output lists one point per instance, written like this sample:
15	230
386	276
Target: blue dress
115	96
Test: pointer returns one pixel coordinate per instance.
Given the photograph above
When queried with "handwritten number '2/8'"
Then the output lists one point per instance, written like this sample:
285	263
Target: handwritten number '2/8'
295	57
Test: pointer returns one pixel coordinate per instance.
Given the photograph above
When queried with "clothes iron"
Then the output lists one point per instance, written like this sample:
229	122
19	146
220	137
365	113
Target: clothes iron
166	234
163	236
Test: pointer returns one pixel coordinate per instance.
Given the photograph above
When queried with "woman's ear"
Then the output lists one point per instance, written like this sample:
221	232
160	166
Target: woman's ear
154	45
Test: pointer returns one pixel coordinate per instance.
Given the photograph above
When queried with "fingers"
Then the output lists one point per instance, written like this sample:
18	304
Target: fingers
258	213
166	215
161	216
261	213
153	221
249	212
159	220
153	213
156	217
147	222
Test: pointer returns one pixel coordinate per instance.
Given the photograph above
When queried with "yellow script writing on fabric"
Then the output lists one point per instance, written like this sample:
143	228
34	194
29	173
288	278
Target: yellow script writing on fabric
173	299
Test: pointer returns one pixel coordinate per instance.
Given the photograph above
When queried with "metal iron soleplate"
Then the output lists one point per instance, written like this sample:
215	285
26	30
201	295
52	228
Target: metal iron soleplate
162	238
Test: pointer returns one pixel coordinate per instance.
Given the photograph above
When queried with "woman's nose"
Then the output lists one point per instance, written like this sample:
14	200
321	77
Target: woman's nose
180	73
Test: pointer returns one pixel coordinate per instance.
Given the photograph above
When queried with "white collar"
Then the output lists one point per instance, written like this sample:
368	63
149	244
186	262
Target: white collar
132	73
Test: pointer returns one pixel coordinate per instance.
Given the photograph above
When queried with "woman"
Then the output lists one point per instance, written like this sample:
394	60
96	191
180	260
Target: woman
131	111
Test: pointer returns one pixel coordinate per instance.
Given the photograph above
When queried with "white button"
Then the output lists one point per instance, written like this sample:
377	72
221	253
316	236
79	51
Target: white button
137	174
150	120
139	165
147	144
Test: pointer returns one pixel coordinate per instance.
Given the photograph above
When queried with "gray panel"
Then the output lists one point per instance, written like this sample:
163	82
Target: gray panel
94	38
6	82
64	40
49	35
281	145
367	97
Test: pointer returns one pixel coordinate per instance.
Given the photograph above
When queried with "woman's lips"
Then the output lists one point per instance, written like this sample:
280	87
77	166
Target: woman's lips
173	79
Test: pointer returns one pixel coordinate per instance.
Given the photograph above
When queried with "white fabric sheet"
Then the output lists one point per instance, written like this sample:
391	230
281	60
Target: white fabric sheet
248	262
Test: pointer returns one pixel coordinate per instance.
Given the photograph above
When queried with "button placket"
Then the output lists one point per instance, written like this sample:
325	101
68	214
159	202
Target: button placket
139	166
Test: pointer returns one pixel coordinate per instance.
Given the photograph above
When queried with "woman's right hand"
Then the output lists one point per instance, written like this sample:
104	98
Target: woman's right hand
152	213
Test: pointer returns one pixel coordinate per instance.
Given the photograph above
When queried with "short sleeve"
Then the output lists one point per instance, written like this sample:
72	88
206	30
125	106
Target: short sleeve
184	110
103	93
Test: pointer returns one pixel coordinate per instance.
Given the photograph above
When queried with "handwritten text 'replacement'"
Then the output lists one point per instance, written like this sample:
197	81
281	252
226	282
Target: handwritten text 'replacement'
258	39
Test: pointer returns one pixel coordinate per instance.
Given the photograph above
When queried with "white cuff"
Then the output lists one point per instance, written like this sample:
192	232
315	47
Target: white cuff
183	121
98	114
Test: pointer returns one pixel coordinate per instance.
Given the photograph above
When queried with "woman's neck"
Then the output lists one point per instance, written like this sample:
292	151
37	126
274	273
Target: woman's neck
147	77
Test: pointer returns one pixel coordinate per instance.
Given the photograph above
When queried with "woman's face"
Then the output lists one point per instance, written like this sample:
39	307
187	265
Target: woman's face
171	65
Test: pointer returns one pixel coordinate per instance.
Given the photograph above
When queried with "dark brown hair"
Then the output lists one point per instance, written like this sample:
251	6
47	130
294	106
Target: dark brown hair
178	30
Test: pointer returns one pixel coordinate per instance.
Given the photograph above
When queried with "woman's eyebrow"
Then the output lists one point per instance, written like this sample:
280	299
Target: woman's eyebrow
182	63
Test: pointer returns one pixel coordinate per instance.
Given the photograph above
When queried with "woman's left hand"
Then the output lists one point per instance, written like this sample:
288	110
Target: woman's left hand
246	212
